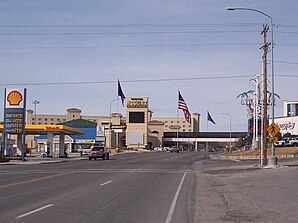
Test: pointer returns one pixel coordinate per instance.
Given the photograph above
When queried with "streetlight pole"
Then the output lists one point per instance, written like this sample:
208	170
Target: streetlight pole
110	124
230	117
273	159
35	102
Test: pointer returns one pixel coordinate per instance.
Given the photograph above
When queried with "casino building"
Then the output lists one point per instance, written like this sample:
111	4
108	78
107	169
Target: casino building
288	123
138	129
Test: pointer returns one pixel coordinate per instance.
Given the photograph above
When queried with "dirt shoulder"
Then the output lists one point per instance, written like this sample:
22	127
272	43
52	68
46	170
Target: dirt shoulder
280	151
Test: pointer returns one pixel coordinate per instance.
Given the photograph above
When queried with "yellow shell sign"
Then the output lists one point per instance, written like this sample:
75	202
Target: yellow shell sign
14	98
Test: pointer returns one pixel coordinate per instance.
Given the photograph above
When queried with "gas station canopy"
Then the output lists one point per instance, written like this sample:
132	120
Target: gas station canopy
44	129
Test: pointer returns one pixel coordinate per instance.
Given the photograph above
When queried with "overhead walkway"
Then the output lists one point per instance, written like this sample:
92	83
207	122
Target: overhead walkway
202	137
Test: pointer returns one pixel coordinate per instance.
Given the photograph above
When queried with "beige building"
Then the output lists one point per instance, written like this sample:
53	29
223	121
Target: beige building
139	129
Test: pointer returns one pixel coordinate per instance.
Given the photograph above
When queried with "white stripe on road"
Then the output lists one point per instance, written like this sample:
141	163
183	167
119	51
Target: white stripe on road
106	183
239	161
170	214
34	211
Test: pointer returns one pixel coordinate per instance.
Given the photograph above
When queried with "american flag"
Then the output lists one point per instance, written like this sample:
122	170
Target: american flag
183	106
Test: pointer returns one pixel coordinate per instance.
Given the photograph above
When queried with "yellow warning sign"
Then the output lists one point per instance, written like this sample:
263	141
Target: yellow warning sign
273	129
273	139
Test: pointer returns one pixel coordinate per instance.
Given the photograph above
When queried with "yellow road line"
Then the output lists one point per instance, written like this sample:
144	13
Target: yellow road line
34	180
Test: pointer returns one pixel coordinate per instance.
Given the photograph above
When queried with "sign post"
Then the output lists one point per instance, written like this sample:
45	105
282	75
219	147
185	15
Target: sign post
273	130
14	116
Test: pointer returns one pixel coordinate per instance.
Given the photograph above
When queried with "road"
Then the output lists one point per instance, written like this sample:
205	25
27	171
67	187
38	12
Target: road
148	187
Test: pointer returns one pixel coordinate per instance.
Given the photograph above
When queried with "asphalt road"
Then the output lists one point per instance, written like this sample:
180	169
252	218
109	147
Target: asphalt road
148	187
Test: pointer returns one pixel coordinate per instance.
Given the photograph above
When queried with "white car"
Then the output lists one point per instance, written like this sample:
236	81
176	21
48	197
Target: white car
166	148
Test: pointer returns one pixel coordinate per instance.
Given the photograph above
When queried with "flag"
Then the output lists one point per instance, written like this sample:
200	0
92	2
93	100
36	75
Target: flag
209	118
120	93
182	105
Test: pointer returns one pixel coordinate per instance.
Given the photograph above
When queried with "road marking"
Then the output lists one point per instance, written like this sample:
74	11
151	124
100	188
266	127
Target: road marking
239	161
33	180
170	214
34	211
106	183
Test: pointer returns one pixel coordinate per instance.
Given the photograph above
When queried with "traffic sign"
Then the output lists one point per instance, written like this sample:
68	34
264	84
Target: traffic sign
273	129
273	139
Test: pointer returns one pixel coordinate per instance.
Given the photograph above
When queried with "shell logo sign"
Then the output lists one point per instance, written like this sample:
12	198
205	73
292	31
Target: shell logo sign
14	98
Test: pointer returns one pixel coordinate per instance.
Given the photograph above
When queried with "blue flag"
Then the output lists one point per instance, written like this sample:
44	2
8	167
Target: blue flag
120	93
209	118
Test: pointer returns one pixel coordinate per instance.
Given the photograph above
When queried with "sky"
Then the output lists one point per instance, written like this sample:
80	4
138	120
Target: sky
70	54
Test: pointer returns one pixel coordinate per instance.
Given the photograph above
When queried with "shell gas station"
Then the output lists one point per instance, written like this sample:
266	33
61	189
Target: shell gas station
50	131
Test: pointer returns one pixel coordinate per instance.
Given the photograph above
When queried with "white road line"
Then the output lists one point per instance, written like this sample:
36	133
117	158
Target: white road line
106	183
239	161
170	214
34	211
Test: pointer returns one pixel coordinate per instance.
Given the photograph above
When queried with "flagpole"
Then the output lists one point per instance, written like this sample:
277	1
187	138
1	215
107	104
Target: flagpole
117	134
177	122
207	137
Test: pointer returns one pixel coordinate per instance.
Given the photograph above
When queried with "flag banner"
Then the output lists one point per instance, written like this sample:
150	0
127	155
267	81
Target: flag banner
120	93
209	118
182	105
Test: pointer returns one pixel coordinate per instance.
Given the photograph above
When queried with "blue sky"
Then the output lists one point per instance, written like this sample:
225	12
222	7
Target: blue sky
51	41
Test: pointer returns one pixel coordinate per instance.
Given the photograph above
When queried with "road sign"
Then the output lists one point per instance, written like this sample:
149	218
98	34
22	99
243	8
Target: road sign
273	129
273	139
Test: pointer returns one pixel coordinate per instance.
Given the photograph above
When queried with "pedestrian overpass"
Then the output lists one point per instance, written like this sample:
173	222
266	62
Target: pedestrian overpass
194	138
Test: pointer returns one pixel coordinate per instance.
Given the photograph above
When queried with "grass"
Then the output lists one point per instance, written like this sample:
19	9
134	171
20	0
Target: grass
3	159
278	151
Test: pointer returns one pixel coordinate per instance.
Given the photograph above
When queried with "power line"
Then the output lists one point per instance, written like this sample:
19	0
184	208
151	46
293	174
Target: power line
286	62
131	25
124	33
129	46
135	81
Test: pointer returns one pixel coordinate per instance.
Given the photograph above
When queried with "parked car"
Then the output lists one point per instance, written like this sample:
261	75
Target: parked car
166	148
293	141
99	152
158	149
174	149
280	143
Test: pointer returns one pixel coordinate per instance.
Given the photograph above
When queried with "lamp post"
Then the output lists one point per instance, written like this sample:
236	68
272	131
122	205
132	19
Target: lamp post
273	159
230	117
110	124
35	102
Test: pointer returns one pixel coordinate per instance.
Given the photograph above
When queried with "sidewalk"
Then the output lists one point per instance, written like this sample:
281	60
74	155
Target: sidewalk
285	161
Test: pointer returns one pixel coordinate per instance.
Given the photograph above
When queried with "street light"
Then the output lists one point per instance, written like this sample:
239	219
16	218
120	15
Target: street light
273	158
35	102
230	117
110	124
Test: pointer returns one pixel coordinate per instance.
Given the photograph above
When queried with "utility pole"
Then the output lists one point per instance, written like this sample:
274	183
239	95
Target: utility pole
264	135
